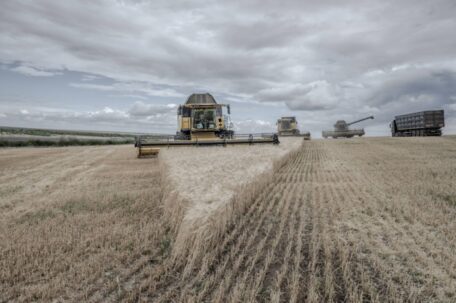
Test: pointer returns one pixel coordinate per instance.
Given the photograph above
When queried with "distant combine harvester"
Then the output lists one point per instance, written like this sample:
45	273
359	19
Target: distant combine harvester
342	130
288	126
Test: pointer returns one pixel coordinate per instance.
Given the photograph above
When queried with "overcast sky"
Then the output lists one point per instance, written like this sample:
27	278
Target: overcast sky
124	65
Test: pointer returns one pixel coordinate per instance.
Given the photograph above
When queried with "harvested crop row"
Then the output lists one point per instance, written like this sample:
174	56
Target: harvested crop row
329	225
80	223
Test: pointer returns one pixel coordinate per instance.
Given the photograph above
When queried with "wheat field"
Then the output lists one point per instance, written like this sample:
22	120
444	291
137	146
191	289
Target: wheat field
361	220
78	222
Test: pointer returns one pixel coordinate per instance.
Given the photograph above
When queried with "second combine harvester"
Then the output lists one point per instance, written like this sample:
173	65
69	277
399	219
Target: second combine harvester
288	126
201	122
342	130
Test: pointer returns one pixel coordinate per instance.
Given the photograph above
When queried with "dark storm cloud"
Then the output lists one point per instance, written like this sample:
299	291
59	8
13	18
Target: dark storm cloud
329	57
435	86
410	90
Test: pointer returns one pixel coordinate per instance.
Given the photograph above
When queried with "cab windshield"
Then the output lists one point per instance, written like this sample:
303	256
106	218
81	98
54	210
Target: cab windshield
204	119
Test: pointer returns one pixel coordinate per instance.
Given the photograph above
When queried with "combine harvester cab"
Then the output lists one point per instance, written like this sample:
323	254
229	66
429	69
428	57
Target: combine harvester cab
342	130
288	127
201	121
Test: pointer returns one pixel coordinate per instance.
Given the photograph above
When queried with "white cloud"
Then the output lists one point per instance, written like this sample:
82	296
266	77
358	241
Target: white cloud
89	78
316	95
130	87
253	126
139	117
141	109
33	71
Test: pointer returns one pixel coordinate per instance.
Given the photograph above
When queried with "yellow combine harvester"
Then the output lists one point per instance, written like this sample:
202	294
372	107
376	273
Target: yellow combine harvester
201	121
288	126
